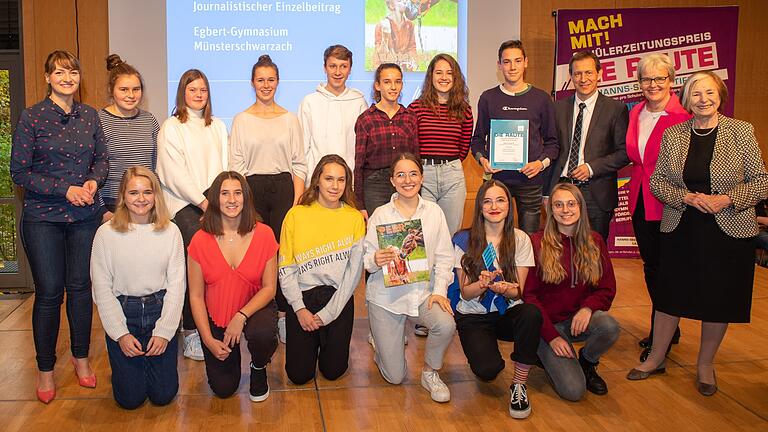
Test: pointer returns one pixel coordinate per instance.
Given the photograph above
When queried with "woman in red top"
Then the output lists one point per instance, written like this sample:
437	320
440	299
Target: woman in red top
232	283
573	285
648	120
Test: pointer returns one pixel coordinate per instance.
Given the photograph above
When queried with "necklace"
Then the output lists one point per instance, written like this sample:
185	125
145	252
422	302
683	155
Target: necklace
228	240
702	134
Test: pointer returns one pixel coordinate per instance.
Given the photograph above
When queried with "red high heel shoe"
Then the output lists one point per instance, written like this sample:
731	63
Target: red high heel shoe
46	396
88	381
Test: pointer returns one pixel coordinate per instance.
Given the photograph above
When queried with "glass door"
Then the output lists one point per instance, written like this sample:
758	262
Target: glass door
14	273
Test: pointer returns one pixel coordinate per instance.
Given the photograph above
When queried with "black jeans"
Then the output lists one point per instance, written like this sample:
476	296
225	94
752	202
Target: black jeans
134	379
260	332
59	256
528	204
377	189
188	221
273	197
327	347
478	333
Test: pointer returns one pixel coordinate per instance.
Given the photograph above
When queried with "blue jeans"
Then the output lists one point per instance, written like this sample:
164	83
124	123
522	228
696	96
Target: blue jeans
528	204
134	379
444	184
566	374
59	255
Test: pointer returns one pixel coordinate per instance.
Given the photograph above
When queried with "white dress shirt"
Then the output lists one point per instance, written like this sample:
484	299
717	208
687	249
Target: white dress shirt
646	122
588	111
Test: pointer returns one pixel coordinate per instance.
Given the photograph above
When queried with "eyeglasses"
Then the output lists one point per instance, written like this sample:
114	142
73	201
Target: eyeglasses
501	202
645	82
401	176
570	204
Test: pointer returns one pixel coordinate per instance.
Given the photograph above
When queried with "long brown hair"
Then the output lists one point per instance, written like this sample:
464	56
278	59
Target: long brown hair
472	262
458	95
180	110
585	253
212	217
159	215
310	194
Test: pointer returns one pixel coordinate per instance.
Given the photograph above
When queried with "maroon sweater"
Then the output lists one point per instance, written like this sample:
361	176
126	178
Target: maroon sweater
561	302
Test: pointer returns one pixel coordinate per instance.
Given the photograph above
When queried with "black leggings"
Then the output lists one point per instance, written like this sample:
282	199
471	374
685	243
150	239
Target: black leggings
273	197
478	333
188	221
260	332
328	346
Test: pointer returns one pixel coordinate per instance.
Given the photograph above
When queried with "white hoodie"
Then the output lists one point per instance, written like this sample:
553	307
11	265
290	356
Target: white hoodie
328	122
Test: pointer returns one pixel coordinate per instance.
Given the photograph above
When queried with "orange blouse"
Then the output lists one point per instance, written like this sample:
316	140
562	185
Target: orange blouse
228	289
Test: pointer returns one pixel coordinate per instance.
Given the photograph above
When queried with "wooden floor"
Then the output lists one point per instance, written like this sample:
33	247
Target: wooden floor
362	400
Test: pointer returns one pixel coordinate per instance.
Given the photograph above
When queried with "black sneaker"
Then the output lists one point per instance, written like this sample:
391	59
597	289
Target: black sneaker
519	407
595	383
259	387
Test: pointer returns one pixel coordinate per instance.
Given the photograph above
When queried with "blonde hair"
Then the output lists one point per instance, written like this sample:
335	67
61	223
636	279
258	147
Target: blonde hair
696	78
652	61
586	252
159	215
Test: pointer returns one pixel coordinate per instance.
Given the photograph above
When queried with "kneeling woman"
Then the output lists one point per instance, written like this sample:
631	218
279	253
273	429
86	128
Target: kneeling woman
424	301
232	283
137	271
322	310
487	297
574	286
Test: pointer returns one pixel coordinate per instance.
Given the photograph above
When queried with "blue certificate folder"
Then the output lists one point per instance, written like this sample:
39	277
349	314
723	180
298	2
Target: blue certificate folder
508	142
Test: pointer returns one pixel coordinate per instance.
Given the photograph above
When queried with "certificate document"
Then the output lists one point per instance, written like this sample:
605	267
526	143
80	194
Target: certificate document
508	144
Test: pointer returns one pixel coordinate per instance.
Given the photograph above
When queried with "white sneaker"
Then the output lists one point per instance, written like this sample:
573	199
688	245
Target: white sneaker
281	329
435	386
420	330
193	348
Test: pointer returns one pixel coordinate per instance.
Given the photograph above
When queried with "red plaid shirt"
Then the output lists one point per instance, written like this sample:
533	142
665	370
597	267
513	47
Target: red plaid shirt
379	139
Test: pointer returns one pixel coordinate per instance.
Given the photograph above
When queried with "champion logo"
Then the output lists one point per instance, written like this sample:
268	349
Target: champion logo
508	108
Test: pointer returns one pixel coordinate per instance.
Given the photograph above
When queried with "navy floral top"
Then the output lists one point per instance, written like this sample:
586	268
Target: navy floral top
53	150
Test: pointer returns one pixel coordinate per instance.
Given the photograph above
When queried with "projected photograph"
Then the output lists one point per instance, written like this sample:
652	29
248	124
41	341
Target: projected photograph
409	32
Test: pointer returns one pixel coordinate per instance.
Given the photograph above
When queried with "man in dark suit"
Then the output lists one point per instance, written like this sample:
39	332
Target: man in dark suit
592	131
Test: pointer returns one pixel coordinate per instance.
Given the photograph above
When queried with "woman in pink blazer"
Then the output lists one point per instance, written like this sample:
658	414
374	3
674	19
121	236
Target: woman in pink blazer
647	122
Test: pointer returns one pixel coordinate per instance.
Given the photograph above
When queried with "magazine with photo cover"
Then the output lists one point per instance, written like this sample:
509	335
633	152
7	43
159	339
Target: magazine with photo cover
407	240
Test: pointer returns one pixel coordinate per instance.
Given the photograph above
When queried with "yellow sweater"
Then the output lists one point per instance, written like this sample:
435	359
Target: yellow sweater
321	246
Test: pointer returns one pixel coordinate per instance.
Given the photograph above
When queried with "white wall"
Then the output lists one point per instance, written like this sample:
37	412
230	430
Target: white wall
141	42
490	22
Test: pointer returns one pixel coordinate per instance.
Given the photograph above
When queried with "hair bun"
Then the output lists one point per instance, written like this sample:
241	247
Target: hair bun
113	60
265	58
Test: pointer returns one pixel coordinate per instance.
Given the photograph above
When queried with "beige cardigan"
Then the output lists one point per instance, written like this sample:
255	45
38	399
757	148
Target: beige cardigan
737	170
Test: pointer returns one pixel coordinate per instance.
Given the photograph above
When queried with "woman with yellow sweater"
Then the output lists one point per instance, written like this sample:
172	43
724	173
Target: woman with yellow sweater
319	270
